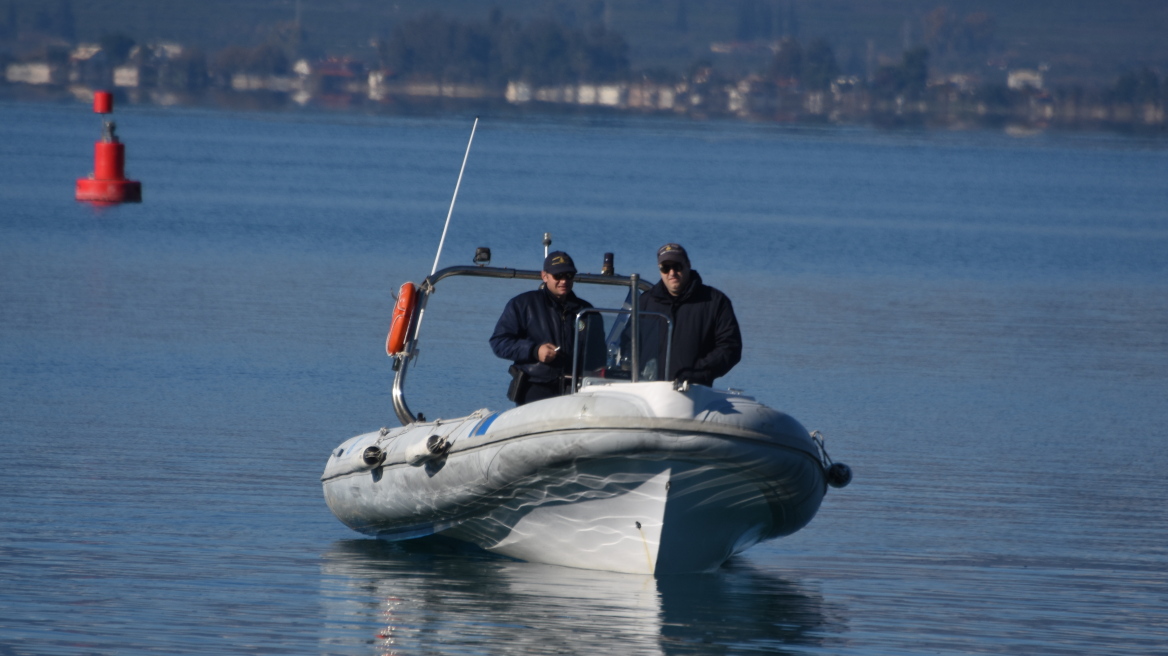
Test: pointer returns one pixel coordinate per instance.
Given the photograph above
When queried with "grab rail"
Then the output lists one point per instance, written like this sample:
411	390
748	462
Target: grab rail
401	360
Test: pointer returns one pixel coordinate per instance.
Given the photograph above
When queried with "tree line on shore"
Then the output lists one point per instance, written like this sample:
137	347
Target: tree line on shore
500	50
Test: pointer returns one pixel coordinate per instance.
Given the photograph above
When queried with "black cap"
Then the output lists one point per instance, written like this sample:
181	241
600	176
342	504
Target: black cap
672	253
559	262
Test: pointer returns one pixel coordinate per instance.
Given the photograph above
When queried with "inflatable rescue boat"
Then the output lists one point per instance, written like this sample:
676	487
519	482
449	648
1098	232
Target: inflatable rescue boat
626	472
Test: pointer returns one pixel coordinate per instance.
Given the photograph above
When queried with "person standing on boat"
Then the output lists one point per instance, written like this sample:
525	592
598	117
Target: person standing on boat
706	341
537	332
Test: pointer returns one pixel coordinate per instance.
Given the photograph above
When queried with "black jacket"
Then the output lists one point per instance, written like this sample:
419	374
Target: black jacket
706	340
534	318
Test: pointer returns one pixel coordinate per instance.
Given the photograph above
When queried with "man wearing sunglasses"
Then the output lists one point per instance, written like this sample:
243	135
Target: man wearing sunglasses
536	332
706	342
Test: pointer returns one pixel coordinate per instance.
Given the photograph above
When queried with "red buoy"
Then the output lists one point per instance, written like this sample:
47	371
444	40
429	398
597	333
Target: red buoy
103	102
108	183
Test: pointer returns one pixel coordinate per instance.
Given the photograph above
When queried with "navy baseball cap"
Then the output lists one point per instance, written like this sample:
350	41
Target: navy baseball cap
672	253
559	262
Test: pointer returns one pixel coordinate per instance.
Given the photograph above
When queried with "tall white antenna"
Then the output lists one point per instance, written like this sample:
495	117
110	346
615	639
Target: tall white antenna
456	186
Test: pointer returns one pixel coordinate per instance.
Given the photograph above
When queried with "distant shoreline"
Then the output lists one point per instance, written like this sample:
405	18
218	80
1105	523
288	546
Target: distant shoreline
437	105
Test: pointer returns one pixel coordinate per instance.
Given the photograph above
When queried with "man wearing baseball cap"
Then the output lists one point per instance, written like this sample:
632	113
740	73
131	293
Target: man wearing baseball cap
536	332
706	341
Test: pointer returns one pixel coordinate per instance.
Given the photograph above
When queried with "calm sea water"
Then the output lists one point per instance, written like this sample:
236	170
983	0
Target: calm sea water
979	324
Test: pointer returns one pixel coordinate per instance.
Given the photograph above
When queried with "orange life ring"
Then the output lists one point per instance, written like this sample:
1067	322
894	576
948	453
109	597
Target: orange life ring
403	312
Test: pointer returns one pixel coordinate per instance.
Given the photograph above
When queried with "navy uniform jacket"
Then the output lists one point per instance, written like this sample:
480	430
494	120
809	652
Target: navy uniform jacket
706	340
534	318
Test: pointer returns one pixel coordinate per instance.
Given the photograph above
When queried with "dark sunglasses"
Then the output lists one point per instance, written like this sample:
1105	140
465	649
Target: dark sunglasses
564	276
666	268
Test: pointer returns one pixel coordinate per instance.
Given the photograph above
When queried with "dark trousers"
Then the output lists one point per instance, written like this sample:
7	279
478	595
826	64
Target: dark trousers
538	391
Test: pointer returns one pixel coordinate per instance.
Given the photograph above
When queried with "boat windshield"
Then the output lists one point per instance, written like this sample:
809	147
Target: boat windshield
605	349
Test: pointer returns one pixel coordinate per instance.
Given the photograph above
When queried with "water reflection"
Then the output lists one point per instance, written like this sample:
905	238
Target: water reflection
434	596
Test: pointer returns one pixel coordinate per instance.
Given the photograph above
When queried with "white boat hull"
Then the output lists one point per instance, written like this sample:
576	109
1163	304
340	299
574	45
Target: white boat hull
635	478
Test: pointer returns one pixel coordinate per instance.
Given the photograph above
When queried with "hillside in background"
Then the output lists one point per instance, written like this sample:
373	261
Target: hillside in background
1086	42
